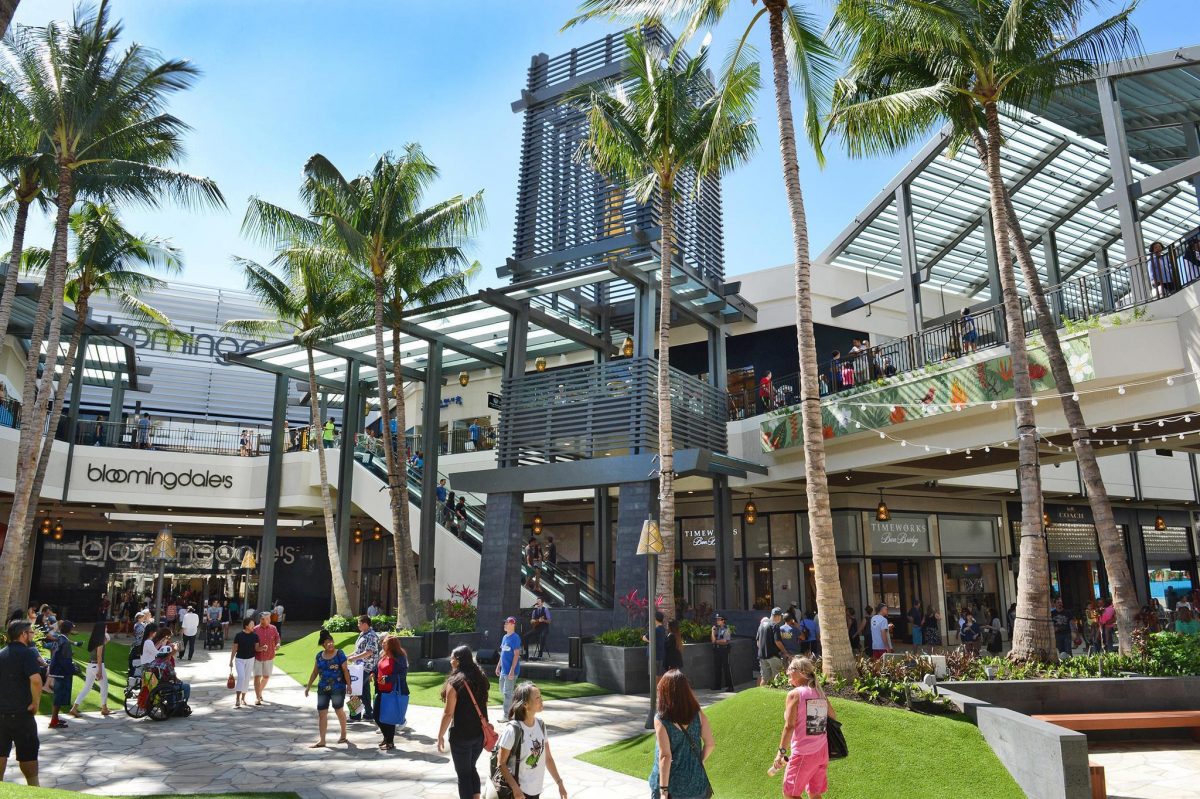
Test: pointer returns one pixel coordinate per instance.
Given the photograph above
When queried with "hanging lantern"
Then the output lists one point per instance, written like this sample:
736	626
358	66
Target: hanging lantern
249	563
882	514
58	532
377	533
1045	521
627	347
358	534
750	512
540	363
1160	524
463	378
536	524
46	526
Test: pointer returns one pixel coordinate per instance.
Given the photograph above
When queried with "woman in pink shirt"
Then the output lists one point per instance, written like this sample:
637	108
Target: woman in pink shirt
804	720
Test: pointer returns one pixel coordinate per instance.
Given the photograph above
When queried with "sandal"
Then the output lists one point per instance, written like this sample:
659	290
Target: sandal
75	712
317	746
105	711
343	740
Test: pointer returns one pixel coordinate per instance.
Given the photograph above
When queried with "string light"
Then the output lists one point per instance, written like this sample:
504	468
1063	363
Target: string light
1121	390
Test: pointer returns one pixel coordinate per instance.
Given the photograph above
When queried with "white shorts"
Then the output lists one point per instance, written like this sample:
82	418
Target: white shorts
263	668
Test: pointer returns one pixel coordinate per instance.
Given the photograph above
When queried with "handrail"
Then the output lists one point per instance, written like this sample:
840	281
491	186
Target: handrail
553	577
10	413
1136	282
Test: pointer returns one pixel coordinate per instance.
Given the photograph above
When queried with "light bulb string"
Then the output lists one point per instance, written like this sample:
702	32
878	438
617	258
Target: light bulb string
1120	389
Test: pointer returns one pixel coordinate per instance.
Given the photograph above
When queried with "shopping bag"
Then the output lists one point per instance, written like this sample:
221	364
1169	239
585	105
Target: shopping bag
393	707
356	679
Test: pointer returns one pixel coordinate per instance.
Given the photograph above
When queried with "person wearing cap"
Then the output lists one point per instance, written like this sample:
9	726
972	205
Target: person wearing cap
20	688
771	652
722	639
509	667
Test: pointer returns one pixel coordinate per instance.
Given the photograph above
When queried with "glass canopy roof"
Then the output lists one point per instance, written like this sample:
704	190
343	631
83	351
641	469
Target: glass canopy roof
1056	171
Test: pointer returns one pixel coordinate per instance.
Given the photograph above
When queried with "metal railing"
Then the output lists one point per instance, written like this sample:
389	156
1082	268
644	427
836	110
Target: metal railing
1121	287
10	413
132	435
594	410
468	523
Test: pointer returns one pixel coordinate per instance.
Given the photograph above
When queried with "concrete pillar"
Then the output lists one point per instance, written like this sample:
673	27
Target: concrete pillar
431	422
601	525
116	406
344	509
1122	175
636	502
500	577
266	559
1053	273
72	409
908	260
723	528
995	291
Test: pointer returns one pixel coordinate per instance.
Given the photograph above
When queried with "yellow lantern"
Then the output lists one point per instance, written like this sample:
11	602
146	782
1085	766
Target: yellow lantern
627	347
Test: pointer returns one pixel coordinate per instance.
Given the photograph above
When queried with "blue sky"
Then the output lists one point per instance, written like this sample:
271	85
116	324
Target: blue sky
284	79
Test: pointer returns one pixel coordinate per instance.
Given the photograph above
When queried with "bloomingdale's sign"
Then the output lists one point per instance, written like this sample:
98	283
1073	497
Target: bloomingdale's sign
900	535
150	477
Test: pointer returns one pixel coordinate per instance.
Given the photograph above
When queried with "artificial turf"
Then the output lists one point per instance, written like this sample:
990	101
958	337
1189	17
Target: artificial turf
9	790
893	753
296	658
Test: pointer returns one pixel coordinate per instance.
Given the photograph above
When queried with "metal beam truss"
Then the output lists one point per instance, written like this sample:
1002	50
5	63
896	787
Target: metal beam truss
604	409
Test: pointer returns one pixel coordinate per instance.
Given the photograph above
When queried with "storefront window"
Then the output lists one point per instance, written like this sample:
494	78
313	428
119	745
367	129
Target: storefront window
967	535
785	575
845	532
1169	564
783	535
699	539
850	580
761	595
973	586
757	538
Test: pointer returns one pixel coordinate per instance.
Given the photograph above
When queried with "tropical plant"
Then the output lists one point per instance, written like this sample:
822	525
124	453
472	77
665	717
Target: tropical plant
407	256
622	636
799	53
309	297
917	63
98	116
108	261
663	120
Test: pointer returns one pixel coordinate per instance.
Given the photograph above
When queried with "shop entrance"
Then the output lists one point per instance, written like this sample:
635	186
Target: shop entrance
897	583
1079	583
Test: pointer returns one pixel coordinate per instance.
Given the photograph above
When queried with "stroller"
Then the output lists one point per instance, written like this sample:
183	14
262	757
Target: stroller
159	693
214	636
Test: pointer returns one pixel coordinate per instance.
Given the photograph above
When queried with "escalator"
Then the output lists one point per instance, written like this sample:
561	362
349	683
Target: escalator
558	584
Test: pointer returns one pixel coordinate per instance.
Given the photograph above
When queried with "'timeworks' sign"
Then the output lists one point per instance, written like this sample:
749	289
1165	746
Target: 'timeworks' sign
149	477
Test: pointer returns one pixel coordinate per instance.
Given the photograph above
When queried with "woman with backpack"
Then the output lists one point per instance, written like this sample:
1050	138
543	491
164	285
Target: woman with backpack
683	740
465	694
803	746
523	753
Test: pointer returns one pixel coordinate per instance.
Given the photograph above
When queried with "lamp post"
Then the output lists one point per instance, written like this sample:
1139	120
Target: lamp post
162	551
650	544
249	564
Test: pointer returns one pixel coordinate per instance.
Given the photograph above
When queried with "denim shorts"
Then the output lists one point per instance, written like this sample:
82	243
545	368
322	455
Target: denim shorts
337	697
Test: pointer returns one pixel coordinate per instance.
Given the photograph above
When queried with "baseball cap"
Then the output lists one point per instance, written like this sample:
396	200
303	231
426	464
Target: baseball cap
776	612
511	620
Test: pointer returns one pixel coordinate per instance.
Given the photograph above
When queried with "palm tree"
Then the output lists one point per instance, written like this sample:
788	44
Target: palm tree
99	118
918	63
409	255
662	121
308	296
7	9
799	53
107	261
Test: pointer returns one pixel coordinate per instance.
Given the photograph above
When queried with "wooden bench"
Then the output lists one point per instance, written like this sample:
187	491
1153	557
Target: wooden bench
1099	786
1144	720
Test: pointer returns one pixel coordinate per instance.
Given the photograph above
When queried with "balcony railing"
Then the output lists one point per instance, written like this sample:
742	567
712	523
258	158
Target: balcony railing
10	413
1121	287
595	410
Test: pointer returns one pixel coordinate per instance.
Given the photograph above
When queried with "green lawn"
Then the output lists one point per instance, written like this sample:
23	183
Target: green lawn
9	790
296	658
893	753
116	663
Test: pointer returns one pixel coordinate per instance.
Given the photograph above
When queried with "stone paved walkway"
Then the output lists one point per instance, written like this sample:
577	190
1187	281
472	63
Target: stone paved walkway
1151	770
220	749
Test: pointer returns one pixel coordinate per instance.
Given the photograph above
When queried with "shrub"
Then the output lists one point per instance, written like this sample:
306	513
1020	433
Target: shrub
341	624
622	636
383	622
695	632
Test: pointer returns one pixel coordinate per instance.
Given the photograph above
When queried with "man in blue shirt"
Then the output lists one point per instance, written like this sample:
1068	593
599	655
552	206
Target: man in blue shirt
814	632
509	667
20	688
442	491
474	432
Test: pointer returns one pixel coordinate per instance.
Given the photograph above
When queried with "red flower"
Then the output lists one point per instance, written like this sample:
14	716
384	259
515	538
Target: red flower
1036	371
898	415
827	431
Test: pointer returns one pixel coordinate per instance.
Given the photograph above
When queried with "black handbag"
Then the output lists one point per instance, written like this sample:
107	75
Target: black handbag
836	739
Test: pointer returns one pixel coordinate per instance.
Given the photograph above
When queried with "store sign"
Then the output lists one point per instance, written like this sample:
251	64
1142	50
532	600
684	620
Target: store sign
448	401
493	401
701	538
192	554
149	477
900	535
198	344
1068	514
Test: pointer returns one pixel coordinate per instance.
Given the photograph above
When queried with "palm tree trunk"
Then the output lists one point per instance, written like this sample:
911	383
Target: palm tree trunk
7	9
837	656
58	402
1032	638
8	298
666	443
49	312
341	594
1112	549
406	565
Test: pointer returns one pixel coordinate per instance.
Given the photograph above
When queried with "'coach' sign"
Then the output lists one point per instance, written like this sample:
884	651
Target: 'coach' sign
151	477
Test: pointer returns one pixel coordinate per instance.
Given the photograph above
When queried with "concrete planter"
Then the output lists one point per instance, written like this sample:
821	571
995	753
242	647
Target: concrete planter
623	669
412	645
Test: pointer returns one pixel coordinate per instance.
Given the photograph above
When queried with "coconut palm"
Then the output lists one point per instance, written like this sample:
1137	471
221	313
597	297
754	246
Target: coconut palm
108	261
410	255
800	54
918	63
99	118
664	120
7	9
308	297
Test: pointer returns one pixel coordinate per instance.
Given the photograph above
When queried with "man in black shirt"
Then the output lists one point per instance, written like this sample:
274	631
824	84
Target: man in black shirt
1060	617
20	687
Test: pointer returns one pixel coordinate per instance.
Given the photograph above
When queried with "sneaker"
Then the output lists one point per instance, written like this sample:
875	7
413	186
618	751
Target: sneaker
355	718
58	724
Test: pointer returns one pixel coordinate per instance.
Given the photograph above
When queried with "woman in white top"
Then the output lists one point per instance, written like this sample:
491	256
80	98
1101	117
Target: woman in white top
153	644
96	673
533	758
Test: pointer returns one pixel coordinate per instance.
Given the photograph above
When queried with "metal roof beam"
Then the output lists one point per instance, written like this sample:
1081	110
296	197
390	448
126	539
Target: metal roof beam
1140	188
886	195
1153	62
244	359
450	343
1112	239
545	320
407	372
